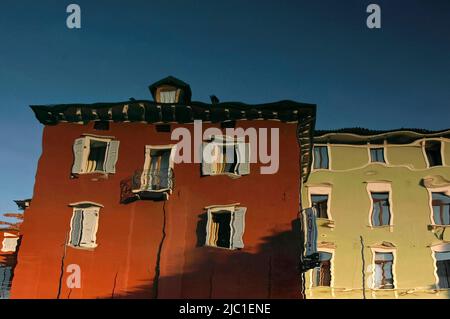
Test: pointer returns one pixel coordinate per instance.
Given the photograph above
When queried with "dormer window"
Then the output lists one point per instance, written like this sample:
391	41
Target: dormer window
171	90
167	94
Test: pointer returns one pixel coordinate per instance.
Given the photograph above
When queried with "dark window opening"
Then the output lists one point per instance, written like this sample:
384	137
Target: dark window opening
443	269
433	151
321	157
381	214
320	203
97	155
322	274
220	229
377	155
441	208
163	128
101	125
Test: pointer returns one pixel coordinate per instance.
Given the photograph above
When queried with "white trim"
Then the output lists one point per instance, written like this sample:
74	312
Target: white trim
439	248
423	143
85	203
95	210
331	251
378	146
380	187
443	189
87	149
417	143
148	149
329	158
321	189
392	250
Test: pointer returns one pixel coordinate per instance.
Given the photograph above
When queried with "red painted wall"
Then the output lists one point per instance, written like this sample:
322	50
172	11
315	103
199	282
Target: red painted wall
129	235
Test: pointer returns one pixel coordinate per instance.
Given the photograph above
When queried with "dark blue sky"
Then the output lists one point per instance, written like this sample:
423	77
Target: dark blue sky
252	51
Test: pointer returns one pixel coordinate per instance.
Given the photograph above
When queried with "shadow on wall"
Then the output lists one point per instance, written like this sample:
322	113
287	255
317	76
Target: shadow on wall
271	272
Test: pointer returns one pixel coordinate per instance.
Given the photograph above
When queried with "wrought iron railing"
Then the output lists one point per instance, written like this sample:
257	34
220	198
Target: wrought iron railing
144	182
147	180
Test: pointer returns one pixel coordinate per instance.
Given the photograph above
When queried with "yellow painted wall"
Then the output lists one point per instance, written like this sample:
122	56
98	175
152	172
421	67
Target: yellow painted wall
414	271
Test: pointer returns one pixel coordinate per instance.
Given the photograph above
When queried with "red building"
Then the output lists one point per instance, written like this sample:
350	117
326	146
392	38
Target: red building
111	202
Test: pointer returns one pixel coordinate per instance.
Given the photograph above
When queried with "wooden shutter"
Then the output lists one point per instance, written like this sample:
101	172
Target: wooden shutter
206	167
90	225
76	227
238	227
78	152
112	156
9	244
243	156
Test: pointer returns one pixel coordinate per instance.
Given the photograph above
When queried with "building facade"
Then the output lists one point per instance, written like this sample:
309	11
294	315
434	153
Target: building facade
381	202
9	245
114	214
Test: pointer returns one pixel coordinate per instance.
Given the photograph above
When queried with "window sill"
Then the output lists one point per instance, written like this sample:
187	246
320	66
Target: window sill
433	227
381	227
325	222
231	175
82	248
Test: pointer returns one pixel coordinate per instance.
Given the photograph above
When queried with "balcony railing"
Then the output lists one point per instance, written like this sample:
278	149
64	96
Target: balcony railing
147	185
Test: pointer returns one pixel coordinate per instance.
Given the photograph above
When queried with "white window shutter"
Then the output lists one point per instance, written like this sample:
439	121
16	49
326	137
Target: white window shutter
243	155
9	244
76	227
90	225
112	156
238	226
206	167
78	152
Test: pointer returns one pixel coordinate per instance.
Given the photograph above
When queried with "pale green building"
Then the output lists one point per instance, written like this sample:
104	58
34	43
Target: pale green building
382	202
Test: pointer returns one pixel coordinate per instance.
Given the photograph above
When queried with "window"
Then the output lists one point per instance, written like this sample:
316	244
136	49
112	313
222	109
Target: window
9	243
83	227
321	276
441	208
167	94
377	155
321	157
381	213
433	152
157	173
225	227
383	273
320	203
95	155
5	281
226	156
443	269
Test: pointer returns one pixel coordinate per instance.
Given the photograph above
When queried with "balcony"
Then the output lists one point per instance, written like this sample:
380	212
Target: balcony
147	185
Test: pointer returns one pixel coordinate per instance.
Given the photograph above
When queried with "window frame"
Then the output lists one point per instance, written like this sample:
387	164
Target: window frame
380	250
87	139
377	147
88	206
441	189
229	208
380	187
147	164
424	151
239	145
311	282
168	88
438	248
321	190
314	157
